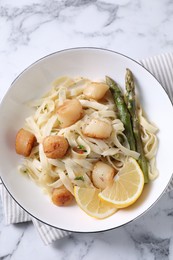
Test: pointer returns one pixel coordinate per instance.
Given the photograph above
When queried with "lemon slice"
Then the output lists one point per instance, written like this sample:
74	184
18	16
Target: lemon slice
127	186
88	201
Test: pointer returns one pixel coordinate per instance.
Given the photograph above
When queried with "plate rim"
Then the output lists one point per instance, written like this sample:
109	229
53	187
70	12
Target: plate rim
80	49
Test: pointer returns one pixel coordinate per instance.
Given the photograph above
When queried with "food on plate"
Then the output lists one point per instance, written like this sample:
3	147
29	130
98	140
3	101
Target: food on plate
102	175
123	112
128	114
132	107
61	196
89	141
69	112
88	200
127	186
55	146
97	128
24	142
96	90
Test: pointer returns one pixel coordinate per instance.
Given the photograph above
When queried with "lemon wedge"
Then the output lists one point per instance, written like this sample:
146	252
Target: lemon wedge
89	201
127	186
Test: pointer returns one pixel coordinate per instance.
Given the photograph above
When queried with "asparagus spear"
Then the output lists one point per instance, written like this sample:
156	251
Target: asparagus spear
123	112
131	105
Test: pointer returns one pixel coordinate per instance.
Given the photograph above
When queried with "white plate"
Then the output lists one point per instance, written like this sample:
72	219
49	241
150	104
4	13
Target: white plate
31	84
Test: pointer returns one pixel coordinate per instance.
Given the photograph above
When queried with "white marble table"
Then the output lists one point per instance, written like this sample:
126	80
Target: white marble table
30	29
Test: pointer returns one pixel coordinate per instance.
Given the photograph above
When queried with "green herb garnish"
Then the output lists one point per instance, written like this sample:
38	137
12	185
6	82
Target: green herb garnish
79	178
25	171
46	107
81	147
59	122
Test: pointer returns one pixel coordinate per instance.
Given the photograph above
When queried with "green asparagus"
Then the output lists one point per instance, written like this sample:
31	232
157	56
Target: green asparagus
132	107
123	112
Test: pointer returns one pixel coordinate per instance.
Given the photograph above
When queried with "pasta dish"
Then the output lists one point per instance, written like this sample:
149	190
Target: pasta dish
77	137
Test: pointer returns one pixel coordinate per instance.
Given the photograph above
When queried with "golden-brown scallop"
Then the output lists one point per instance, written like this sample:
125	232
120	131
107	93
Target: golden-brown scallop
102	175
61	196
96	90
69	112
55	146
97	129
24	142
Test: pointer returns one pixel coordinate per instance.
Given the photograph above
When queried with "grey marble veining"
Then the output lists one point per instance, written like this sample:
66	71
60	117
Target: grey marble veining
92	19
148	237
31	29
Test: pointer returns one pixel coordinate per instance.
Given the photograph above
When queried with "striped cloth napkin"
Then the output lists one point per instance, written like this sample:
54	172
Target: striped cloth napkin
162	68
